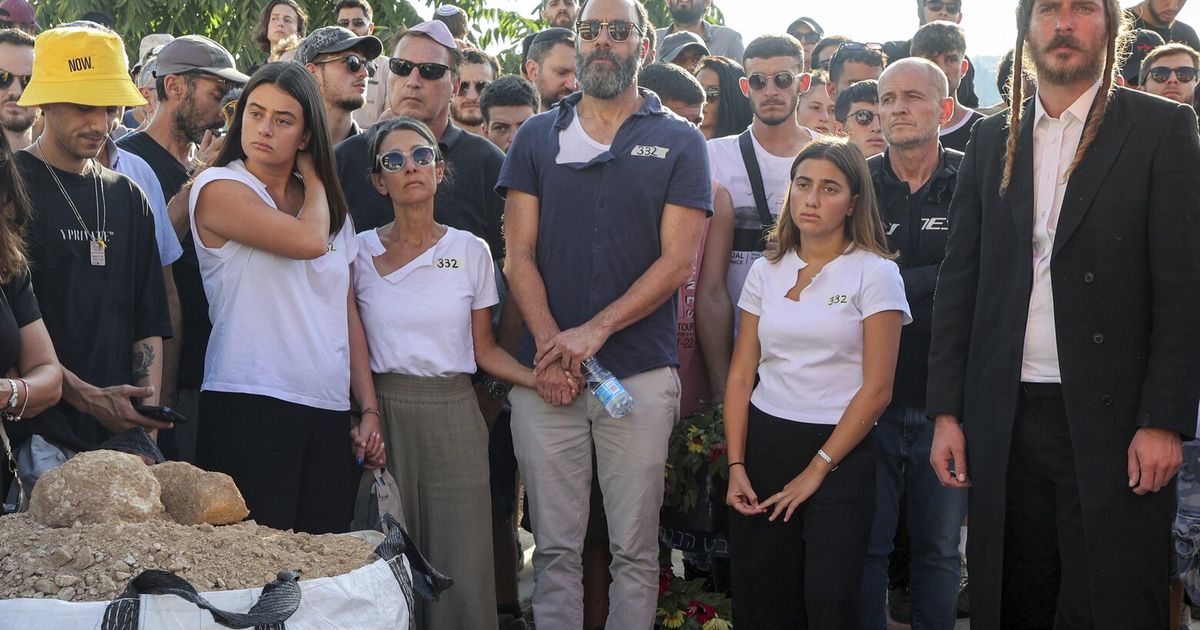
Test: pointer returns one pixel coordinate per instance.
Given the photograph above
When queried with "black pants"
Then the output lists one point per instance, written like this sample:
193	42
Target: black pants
1045	577
290	461
804	573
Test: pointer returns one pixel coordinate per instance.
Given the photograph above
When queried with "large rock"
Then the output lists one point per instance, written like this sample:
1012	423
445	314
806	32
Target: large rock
97	487
193	496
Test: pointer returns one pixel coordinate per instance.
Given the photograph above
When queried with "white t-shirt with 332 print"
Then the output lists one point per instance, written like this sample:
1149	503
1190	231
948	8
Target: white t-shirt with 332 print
418	318
810	364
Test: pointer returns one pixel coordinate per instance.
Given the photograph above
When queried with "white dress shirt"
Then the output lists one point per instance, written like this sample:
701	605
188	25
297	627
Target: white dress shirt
1055	141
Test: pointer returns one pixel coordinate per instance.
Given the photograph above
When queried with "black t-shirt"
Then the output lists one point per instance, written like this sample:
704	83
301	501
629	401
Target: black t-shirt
957	139
186	271
94	313
1176	32
18	308
466	200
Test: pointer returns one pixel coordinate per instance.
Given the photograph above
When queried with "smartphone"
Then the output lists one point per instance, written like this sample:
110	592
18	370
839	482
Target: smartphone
163	414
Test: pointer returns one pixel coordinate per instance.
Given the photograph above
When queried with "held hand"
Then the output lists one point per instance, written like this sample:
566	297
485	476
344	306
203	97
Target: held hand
114	409
740	495
555	386
210	147
367	443
949	452
569	348
797	491
1155	455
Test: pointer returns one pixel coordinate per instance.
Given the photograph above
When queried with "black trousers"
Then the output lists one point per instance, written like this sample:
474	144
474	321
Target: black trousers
804	573
1045	576
291	462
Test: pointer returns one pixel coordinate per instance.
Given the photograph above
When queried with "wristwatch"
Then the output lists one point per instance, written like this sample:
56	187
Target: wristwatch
497	388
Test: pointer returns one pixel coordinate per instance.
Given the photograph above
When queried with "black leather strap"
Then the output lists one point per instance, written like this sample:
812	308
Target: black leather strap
756	186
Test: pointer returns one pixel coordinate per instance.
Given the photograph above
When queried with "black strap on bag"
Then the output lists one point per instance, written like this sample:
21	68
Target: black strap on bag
746	142
277	603
428	582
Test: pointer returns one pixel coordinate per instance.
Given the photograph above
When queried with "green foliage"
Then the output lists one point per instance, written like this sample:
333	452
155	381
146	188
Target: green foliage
695	452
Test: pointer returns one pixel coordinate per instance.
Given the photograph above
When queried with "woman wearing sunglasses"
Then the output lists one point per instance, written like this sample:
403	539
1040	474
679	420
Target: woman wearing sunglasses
726	110
287	349
425	292
812	371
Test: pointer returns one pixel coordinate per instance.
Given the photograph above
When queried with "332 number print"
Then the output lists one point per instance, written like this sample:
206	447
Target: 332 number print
447	263
837	299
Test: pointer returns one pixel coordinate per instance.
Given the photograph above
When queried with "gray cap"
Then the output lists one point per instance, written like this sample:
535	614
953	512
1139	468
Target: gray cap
676	43
196	53
331	39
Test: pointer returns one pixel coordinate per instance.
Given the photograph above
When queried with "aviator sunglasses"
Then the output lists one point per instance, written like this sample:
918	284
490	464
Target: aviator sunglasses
618	30
7	78
356	22
393	161
354	63
428	71
783	80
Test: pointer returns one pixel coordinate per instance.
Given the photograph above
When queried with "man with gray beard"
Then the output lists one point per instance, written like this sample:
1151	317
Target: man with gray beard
647	172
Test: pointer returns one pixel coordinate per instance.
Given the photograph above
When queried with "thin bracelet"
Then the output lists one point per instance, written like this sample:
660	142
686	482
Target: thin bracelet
828	460
367	411
732	464
25	402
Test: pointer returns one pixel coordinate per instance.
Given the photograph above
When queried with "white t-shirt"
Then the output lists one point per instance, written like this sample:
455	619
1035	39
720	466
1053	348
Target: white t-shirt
811	360
418	318
280	325
575	146
725	160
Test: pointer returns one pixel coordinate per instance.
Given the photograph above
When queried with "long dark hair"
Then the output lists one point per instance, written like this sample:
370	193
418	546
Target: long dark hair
15	209
734	115
297	81
264	18
1117	34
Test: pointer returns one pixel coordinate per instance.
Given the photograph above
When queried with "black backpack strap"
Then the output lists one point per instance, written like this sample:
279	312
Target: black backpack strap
278	601
756	186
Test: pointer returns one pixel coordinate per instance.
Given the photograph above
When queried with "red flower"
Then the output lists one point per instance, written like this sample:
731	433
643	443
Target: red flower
665	577
716	452
700	611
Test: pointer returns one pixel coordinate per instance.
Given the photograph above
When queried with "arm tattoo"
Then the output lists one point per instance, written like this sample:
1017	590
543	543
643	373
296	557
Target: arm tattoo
143	358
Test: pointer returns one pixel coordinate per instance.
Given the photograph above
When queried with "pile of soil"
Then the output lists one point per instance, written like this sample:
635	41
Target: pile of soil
94	562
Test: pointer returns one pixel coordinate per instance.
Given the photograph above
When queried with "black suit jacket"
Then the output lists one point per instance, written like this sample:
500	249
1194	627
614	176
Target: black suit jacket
1125	271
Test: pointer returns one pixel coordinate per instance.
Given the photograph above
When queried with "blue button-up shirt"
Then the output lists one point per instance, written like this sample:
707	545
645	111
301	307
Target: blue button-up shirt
599	221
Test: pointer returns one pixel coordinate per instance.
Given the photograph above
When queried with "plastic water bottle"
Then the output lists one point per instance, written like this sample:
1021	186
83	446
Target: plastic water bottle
607	389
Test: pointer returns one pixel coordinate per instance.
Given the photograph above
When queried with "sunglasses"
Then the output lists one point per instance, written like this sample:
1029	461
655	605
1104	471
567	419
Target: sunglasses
783	80
228	111
356	22
354	63
951	7
428	71
393	161
465	87
864	117
618	30
7	78
810	37
1159	73
712	95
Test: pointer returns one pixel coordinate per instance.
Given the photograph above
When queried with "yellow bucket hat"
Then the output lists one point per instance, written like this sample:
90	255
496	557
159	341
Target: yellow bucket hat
81	66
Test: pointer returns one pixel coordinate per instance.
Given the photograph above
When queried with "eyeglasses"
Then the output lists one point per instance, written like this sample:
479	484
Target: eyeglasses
810	37
1159	73
465	87
783	80
712	95
937	5
864	117
618	30
393	161
7	78
354	63
429	71
356	22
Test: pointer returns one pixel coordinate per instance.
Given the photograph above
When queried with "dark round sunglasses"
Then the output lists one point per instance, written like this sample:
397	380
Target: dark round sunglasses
7	78
393	161
428	71
618	30
783	80
864	117
465	87
354	63
1162	73
951	7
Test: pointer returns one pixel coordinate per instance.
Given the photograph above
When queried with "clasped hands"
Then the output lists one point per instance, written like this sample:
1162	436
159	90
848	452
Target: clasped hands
557	364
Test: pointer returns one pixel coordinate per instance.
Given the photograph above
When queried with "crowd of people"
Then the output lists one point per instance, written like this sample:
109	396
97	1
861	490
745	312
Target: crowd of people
362	254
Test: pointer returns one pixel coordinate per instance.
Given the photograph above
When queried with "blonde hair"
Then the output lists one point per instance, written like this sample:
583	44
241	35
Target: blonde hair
1117	31
864	228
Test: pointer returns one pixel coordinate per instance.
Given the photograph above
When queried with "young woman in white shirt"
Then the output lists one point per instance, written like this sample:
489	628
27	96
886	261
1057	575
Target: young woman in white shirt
426	292
820	328
275	244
